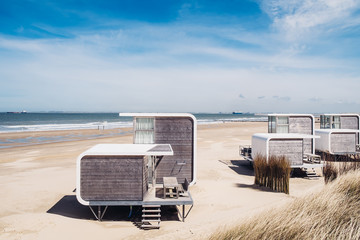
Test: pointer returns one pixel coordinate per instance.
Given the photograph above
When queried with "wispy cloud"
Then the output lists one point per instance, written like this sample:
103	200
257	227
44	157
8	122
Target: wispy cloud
303	18
111	70
285	98
216	65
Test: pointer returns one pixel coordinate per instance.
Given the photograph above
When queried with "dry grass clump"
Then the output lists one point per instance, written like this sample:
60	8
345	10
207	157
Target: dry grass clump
330	172
274	173
333	213
329	157
332	169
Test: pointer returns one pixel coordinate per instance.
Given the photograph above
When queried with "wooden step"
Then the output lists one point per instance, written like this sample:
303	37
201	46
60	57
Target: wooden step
150	220
151	211
151	215
150	226
312	176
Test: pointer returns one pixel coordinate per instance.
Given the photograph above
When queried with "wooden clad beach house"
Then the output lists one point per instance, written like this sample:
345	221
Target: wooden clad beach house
290	145
296	124
289	135
341	121
291	123
177	129
338	141
112	173
164	148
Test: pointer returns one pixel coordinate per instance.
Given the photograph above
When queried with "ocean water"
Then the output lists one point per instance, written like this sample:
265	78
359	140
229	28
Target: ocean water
16	122
209	118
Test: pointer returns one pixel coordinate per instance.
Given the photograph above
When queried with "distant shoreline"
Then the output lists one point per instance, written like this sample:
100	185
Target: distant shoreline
34	122
30	138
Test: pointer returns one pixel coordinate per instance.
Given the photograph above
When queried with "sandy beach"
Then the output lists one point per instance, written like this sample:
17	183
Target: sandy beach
37	184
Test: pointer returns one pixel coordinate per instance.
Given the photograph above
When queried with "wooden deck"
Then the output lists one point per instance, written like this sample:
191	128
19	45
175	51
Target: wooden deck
154	196
157	197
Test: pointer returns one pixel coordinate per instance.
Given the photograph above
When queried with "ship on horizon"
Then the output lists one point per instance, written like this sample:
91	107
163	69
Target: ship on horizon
22	112
238	112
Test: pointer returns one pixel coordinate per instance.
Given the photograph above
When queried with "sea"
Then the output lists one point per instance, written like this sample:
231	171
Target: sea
37	122
25	122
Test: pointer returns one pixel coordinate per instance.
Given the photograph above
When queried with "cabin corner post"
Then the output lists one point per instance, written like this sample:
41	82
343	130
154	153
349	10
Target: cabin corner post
313	124
78	181
194	153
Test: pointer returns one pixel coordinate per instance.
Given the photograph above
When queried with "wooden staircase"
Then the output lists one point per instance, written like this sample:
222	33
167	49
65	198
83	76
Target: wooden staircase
151	215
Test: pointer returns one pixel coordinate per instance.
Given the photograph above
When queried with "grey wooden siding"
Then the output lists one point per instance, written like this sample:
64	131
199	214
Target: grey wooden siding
343	142
302	125
290	148
349	122
112	178
308	146
179	132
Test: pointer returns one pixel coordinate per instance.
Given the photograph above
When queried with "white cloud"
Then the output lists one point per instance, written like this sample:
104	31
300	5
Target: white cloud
164	68
282	98
304	18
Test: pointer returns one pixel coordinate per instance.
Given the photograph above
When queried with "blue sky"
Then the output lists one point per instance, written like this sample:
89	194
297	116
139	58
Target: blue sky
180	56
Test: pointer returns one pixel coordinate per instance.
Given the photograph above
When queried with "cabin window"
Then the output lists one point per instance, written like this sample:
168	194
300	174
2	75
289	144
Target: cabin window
271	124
282	125
144	130
335	122
322	121
329	121
325	121
278	124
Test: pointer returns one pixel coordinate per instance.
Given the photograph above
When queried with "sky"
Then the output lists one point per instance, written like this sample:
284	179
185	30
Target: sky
299	56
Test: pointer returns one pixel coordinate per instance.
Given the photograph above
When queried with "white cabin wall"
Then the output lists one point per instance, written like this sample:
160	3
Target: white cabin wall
322	143
258	146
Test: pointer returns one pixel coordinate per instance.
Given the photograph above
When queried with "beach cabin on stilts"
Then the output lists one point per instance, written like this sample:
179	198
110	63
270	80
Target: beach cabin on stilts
289	135
291	145
341	121
154	171
339	136
178	130
337	141
294	124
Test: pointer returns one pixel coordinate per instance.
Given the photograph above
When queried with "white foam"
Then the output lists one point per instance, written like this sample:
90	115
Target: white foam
241	119
55	127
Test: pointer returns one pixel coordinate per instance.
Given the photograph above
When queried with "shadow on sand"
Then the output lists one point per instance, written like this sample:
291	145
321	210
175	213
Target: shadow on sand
253	186
68	206
242	167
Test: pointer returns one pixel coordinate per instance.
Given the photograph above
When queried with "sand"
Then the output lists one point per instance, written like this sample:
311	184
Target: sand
38	201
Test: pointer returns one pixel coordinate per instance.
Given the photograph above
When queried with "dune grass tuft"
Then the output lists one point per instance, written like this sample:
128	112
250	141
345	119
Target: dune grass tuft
332	213
274	173
333	169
